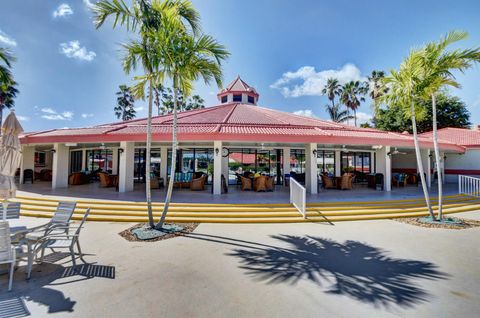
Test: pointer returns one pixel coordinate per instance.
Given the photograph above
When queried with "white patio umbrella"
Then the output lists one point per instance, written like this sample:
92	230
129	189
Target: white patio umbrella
10	157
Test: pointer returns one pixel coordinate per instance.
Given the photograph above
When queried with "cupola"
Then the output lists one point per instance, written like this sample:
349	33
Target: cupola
238	92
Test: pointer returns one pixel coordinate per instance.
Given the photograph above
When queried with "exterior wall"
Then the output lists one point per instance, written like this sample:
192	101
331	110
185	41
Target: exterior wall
455	164
384	166
60	166
466	164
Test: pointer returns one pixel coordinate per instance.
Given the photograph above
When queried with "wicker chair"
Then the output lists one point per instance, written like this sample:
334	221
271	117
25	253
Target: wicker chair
346	183
198	184
260	184
106	180
270	184
327	182
246	183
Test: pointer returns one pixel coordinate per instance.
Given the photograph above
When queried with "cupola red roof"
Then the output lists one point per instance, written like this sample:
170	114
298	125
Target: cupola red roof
238	86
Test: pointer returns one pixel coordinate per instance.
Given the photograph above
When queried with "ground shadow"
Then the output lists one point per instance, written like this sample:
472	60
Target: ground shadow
12	307
352	269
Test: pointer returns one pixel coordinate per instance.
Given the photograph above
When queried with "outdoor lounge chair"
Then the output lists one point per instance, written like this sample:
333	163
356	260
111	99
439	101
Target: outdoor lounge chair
13	211
7	251
246	183
198	184
399	179
270	184
107	180
260	184
346	182
327	182
67	240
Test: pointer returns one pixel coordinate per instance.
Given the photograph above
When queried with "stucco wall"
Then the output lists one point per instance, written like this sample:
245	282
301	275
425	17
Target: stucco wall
467	164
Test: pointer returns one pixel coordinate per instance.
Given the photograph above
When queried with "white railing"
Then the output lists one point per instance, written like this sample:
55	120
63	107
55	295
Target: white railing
298	197
469	185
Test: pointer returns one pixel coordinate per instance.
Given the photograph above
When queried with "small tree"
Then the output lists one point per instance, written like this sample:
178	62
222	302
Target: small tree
8	87
125	109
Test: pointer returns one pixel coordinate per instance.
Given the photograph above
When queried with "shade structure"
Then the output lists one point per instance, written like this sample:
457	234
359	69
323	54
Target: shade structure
10	157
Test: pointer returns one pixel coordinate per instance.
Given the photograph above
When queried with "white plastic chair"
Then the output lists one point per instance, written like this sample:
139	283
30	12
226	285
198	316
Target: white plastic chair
66	240
7	251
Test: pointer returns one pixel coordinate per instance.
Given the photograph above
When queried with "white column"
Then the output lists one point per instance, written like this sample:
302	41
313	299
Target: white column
84	159
225	170
114	160
311	168
286	162
164	164
338	160
427	167
28	160
60	166
217	167
125	175
384	166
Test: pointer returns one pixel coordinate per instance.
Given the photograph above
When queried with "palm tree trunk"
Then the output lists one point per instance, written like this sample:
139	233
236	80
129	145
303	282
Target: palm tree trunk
437	156
419	162
355	116
148	190
1	117
168	197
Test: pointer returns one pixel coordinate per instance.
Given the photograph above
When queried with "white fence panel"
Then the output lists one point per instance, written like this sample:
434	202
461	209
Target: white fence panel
298	197
469	185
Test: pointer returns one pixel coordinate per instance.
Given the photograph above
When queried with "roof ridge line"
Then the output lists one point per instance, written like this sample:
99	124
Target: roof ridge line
272	117
230	113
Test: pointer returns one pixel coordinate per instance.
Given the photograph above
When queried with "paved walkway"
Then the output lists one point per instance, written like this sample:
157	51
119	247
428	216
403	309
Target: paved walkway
350	269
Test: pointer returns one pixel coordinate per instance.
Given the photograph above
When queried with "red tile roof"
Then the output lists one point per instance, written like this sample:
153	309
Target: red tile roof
468	138
235	122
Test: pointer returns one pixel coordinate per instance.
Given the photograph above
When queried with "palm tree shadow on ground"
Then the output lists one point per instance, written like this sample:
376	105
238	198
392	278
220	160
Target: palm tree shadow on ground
352	269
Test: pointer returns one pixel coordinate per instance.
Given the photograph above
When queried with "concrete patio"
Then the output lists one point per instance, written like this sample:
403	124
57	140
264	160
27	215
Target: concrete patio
362	269
234	195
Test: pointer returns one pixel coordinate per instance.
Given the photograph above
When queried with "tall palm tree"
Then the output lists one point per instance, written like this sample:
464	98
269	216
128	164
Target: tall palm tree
437	65
8	87
336	114
188	58
6	60
147	19
376	87
332	89
404	91
352	96
125	104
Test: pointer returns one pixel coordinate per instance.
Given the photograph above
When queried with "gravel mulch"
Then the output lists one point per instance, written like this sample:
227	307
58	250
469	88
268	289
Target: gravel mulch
454	224
187	228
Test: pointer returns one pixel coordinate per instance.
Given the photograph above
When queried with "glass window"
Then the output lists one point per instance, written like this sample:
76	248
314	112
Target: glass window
326	162
39	158
224	99
268	162
99	160
75	161
297	160
359	163
140	160
237	98
251	100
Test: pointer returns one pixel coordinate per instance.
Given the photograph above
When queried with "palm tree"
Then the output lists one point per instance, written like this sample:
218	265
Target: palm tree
6	60
376	87
148	19
437	66
125	104
332	89
158	91
336	114
8	92
403	91
352	96
8	87
189	58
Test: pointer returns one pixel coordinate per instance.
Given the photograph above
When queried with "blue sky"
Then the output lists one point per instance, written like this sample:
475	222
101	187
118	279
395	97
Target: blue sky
68	72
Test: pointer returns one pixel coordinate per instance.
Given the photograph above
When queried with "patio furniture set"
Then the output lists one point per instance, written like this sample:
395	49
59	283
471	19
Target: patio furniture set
17	243
256	182
345	182
195	181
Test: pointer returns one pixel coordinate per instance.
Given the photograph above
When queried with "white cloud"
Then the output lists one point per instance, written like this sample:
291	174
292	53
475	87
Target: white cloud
305	112
362	118
88	3
51	114
73	50
7	40
23	118
139	108
63	10
85	115
306	81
